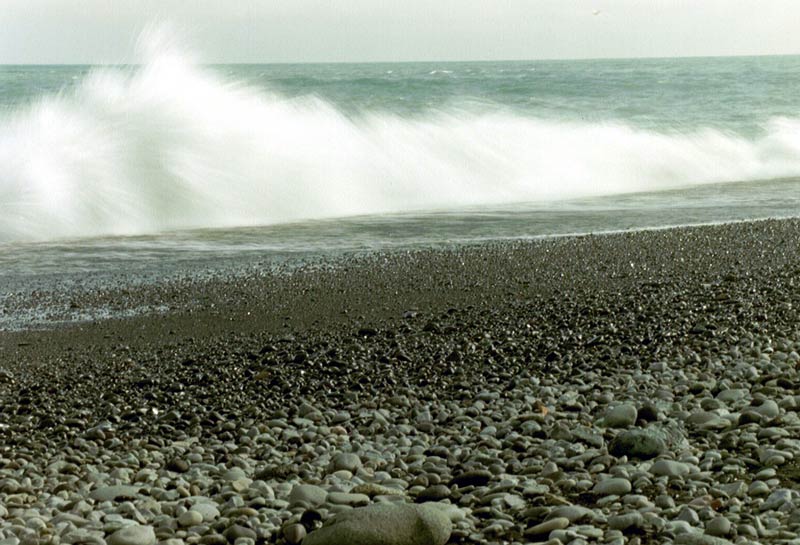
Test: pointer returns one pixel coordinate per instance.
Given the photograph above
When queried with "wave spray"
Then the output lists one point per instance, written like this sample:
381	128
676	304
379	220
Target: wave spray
169	144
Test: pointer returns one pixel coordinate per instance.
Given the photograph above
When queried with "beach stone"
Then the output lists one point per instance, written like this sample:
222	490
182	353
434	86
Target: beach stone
700	539
689	515
732	395
718	526
558	523
699	418
573	513
638	443
747	530
374	489
615	485
235	532
758	488
308	493
234	474
453	512
665	501
213	538
294	533
178	465
768	409
621	416
115	493
345	498
133	535
190	518
436	492
777	499
749	417
707	420
346	461
71	518
385	524
589	437
513	501
681	527
80	536
626	521
736	489
208	511
670	468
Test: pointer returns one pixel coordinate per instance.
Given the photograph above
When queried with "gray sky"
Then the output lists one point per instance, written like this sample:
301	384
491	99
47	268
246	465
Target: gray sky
97	31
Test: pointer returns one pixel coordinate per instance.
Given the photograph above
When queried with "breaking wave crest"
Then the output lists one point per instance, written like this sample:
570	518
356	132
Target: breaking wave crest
169	144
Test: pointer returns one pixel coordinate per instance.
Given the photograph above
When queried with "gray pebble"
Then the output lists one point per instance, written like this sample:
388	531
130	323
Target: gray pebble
626	521
615	485
294	533
557	523
718	526
670	468
345	461
308	493
133	535
621	416
115	493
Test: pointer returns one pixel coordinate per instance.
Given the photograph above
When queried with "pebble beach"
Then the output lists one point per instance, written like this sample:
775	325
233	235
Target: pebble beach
628	388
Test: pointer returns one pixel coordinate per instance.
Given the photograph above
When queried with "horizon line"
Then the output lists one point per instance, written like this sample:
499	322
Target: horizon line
540	59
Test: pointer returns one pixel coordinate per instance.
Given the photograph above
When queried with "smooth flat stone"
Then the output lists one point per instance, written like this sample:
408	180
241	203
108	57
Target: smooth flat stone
190	518
115	493
573	513
621	416
670	468
615	485
558	523
133	535
308	493
625	521
208	511
344	498
700	539
345	461
385	524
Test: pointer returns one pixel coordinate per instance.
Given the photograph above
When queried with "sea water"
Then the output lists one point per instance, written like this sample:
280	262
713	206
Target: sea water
172	165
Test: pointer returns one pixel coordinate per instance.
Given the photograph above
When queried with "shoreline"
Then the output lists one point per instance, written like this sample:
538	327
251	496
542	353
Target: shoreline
495	379
79	304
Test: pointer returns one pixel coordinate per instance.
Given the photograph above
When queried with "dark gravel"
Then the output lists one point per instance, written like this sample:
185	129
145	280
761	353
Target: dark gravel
427	325
444	320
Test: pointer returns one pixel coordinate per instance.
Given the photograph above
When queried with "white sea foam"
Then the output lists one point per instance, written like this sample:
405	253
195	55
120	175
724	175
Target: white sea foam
170	144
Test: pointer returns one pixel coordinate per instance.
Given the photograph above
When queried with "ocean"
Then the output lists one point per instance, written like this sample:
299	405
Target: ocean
170	166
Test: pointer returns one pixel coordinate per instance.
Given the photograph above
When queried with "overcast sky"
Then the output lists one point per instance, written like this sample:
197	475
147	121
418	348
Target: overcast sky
262	31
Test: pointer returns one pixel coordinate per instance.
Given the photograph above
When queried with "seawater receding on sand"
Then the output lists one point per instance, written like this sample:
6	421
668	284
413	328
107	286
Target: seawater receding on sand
46	317
53	300
146	258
